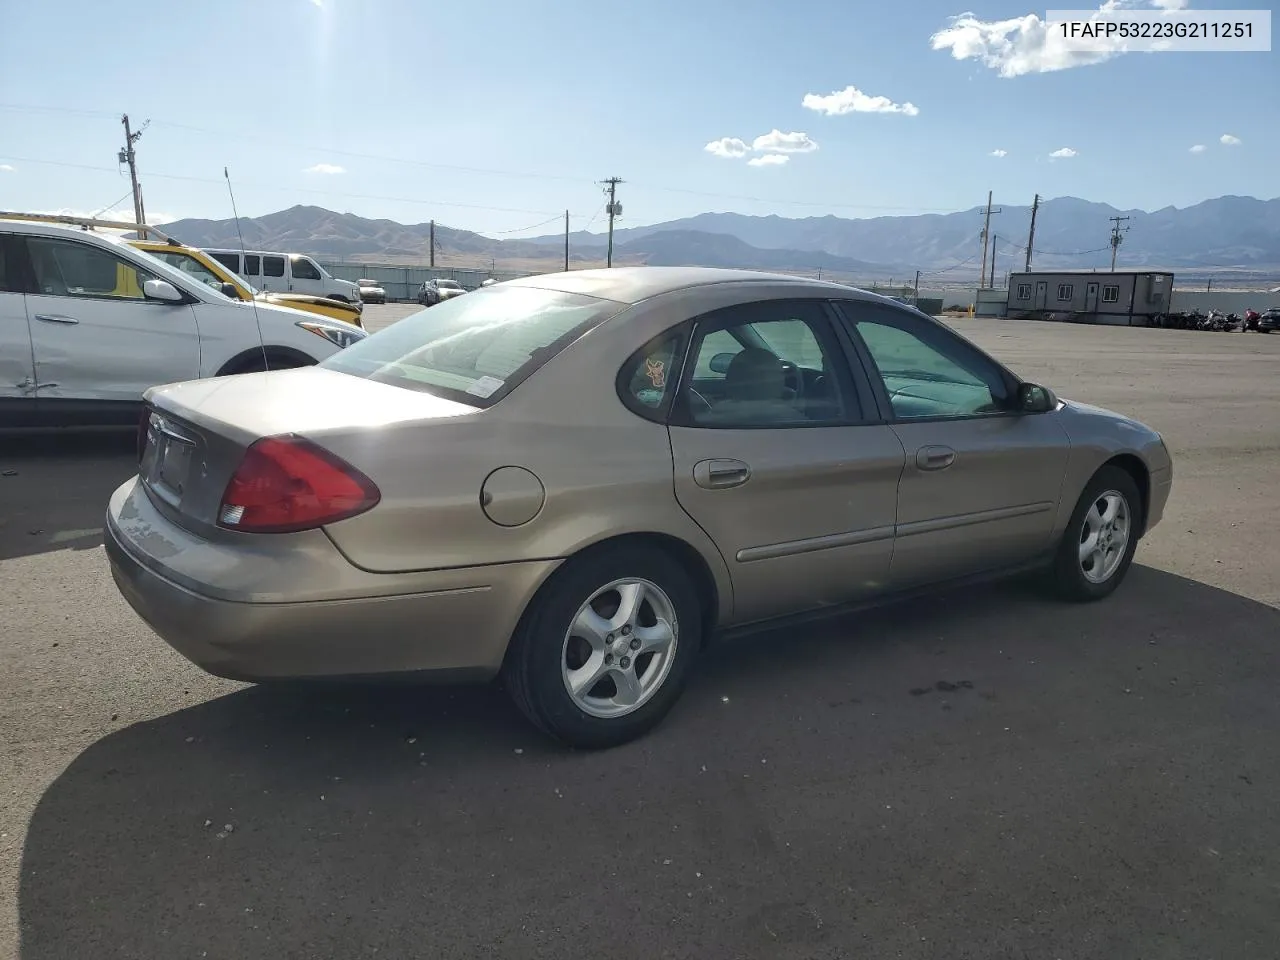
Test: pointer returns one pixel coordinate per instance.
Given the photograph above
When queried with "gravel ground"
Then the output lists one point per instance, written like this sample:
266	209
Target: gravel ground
986	775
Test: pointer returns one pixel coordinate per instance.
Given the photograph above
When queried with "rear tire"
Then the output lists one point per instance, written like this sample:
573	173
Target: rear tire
598	627
1100	540
260	364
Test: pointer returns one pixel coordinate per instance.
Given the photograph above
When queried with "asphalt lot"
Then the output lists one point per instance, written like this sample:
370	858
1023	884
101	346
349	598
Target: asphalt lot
1101	785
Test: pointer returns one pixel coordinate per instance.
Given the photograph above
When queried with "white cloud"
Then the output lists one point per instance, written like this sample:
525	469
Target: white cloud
1230	140
318	3
326	168
1025	45
768	160
6	168
1063	153
1198	148
853	100
729	147
778	142
999	153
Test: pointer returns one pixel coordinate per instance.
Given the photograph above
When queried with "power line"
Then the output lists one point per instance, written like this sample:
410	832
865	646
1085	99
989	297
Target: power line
532	227
308	190
490	171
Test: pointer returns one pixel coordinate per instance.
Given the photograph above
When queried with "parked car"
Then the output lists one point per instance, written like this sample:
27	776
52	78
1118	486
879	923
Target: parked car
1269	320
204	268
286	273
575	480
88	323
371	291
438	290
488	283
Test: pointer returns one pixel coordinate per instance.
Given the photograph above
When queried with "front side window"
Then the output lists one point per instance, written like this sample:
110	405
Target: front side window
66	268
477	348
304	269
767	364
273	266
229	260
1065	291
927	370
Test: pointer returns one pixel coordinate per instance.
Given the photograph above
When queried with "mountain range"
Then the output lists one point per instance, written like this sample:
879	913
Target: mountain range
1228	233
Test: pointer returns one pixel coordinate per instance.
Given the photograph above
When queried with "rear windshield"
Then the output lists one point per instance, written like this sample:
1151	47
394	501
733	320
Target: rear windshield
477	348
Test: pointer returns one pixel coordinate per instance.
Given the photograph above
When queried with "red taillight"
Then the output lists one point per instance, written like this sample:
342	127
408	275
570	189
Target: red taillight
285	484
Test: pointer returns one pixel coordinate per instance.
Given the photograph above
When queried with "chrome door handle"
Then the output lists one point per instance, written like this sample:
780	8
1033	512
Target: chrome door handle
720	474
55	318
935	458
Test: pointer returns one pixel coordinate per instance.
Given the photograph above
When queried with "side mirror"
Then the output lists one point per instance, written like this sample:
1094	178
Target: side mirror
161	290
1033	398
229	290
720	362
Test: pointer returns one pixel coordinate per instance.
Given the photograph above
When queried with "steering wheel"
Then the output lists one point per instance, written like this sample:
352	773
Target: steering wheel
794	379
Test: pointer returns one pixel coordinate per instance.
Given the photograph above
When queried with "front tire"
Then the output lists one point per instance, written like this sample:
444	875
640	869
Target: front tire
1098	546
604	651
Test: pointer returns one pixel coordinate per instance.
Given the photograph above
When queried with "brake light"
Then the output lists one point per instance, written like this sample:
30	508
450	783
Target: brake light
286	484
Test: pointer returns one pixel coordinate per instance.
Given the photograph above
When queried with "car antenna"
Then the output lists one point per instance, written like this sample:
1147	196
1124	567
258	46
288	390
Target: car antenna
252	300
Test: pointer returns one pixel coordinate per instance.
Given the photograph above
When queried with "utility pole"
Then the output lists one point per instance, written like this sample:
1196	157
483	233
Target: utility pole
986	227
1116	238
127	155
614	209
916	298
433	244
1031	236
995	242
566	241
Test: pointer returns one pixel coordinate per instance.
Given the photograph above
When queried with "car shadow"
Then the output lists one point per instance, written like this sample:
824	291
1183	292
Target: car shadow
979	774
55	487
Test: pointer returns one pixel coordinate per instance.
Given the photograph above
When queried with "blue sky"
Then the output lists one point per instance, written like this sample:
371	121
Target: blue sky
496	115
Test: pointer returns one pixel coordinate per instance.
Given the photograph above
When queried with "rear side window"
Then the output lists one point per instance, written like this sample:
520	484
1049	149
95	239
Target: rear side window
648	379
229	260
272	266
252	264
477	348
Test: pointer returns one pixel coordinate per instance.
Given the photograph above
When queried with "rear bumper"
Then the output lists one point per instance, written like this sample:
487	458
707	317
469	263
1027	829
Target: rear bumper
454	624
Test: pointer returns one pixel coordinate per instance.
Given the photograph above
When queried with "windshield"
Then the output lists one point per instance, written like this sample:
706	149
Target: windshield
475	349
451	284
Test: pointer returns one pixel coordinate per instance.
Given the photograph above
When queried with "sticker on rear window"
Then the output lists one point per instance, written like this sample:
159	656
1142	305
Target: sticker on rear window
485	387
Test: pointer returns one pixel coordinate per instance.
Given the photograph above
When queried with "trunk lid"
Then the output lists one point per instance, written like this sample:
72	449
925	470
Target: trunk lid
198	431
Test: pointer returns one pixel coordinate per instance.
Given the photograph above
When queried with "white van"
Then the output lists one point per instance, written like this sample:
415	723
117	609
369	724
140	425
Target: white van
286	273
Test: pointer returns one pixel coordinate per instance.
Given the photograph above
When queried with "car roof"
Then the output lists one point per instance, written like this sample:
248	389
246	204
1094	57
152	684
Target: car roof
45	228
633	284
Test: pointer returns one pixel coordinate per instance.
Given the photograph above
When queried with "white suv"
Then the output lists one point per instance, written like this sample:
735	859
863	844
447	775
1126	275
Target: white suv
88	323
